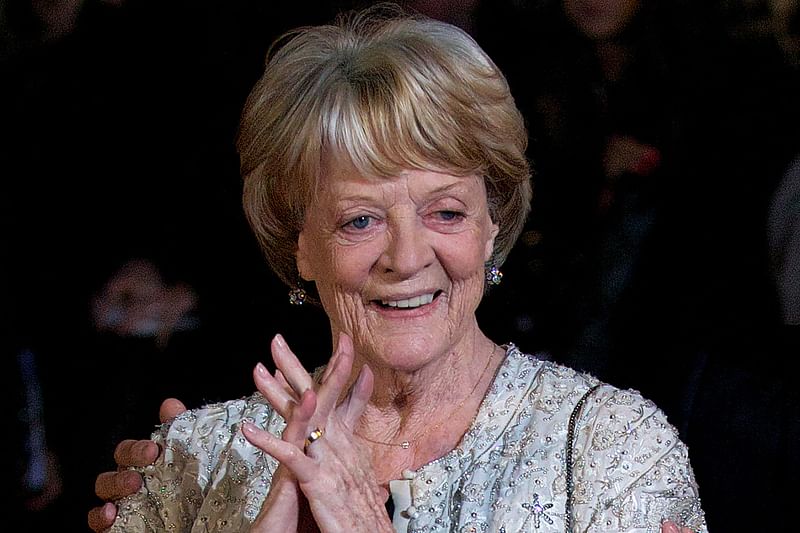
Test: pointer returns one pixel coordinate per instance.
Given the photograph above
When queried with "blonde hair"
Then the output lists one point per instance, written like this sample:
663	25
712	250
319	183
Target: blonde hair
382	91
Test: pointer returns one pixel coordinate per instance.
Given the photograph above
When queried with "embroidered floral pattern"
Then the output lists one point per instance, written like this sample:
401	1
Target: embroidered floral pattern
538	511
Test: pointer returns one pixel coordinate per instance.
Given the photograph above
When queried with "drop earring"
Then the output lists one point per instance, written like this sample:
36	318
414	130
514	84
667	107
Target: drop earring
493	275
297	295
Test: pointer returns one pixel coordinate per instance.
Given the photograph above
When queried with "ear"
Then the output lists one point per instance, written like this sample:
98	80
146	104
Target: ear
302	257
489	248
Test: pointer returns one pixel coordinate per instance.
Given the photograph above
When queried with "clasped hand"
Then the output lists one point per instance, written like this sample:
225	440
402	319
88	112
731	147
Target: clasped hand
333	473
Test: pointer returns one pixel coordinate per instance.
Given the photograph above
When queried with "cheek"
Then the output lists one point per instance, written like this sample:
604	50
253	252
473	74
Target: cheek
466	273
464	268
345	271
464	260
342	268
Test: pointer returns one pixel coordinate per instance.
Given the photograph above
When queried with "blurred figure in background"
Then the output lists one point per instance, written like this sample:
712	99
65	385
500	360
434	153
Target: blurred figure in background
136	301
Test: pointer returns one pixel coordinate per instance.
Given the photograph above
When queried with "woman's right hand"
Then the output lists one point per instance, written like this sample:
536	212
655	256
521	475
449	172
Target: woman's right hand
112	486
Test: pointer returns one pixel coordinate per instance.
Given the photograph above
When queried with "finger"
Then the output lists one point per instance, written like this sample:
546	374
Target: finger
332	387
289	455
273	391
321	448
383	494
281	379
356	401
111	486
297	427
101	518
136	453
288	363
330	366
170	408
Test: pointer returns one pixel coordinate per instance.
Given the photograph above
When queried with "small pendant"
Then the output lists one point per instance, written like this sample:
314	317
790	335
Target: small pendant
405	445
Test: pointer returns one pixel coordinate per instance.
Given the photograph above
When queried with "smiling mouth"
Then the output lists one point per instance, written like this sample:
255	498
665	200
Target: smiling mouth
409	303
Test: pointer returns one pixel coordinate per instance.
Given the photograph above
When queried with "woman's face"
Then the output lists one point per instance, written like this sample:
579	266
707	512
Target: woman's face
399	262
601	19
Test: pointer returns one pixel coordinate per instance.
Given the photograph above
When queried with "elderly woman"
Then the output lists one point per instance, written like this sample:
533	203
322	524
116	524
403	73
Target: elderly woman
385	178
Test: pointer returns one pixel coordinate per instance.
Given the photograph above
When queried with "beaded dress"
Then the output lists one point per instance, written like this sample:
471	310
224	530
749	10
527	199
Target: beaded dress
630	471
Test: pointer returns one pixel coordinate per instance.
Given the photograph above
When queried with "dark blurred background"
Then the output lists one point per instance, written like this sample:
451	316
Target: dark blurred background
662	253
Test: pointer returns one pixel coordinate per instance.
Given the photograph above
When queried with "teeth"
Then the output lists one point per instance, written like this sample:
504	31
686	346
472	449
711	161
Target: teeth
416	301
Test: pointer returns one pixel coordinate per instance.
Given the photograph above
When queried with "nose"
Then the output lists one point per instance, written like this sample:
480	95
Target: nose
407	251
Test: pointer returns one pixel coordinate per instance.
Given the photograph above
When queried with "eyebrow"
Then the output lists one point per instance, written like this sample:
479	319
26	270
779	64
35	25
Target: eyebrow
445	188
459	184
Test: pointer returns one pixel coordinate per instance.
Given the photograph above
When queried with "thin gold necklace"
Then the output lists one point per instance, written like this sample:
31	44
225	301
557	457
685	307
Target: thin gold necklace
406	444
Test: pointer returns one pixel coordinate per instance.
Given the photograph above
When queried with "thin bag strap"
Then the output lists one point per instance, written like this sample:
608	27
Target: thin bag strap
573	420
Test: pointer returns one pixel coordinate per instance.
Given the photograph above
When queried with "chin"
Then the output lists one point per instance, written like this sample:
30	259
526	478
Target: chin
409	351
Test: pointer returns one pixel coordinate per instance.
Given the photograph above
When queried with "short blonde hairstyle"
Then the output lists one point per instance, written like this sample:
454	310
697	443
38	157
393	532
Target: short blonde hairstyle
384	92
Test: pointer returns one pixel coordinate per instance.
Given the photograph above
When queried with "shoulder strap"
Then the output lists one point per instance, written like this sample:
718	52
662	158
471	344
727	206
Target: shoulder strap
573	419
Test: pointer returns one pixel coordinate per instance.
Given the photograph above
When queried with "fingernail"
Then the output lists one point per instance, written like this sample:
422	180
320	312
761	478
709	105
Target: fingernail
261	369
109	511
249	428
280	341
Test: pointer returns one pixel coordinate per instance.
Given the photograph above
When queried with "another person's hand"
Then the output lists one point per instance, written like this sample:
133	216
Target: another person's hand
334	473
111	486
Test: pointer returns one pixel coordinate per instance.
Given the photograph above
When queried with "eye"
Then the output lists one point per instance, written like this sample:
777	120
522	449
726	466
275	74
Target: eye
360	222
449	216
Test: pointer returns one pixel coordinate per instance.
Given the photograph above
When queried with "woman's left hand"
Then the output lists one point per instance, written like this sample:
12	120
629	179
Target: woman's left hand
334	472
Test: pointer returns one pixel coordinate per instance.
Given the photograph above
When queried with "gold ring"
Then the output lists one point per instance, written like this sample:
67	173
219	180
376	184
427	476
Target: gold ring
313	436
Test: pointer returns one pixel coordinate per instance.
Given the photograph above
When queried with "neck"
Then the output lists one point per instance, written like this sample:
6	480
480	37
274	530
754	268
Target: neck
430	408
444	380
